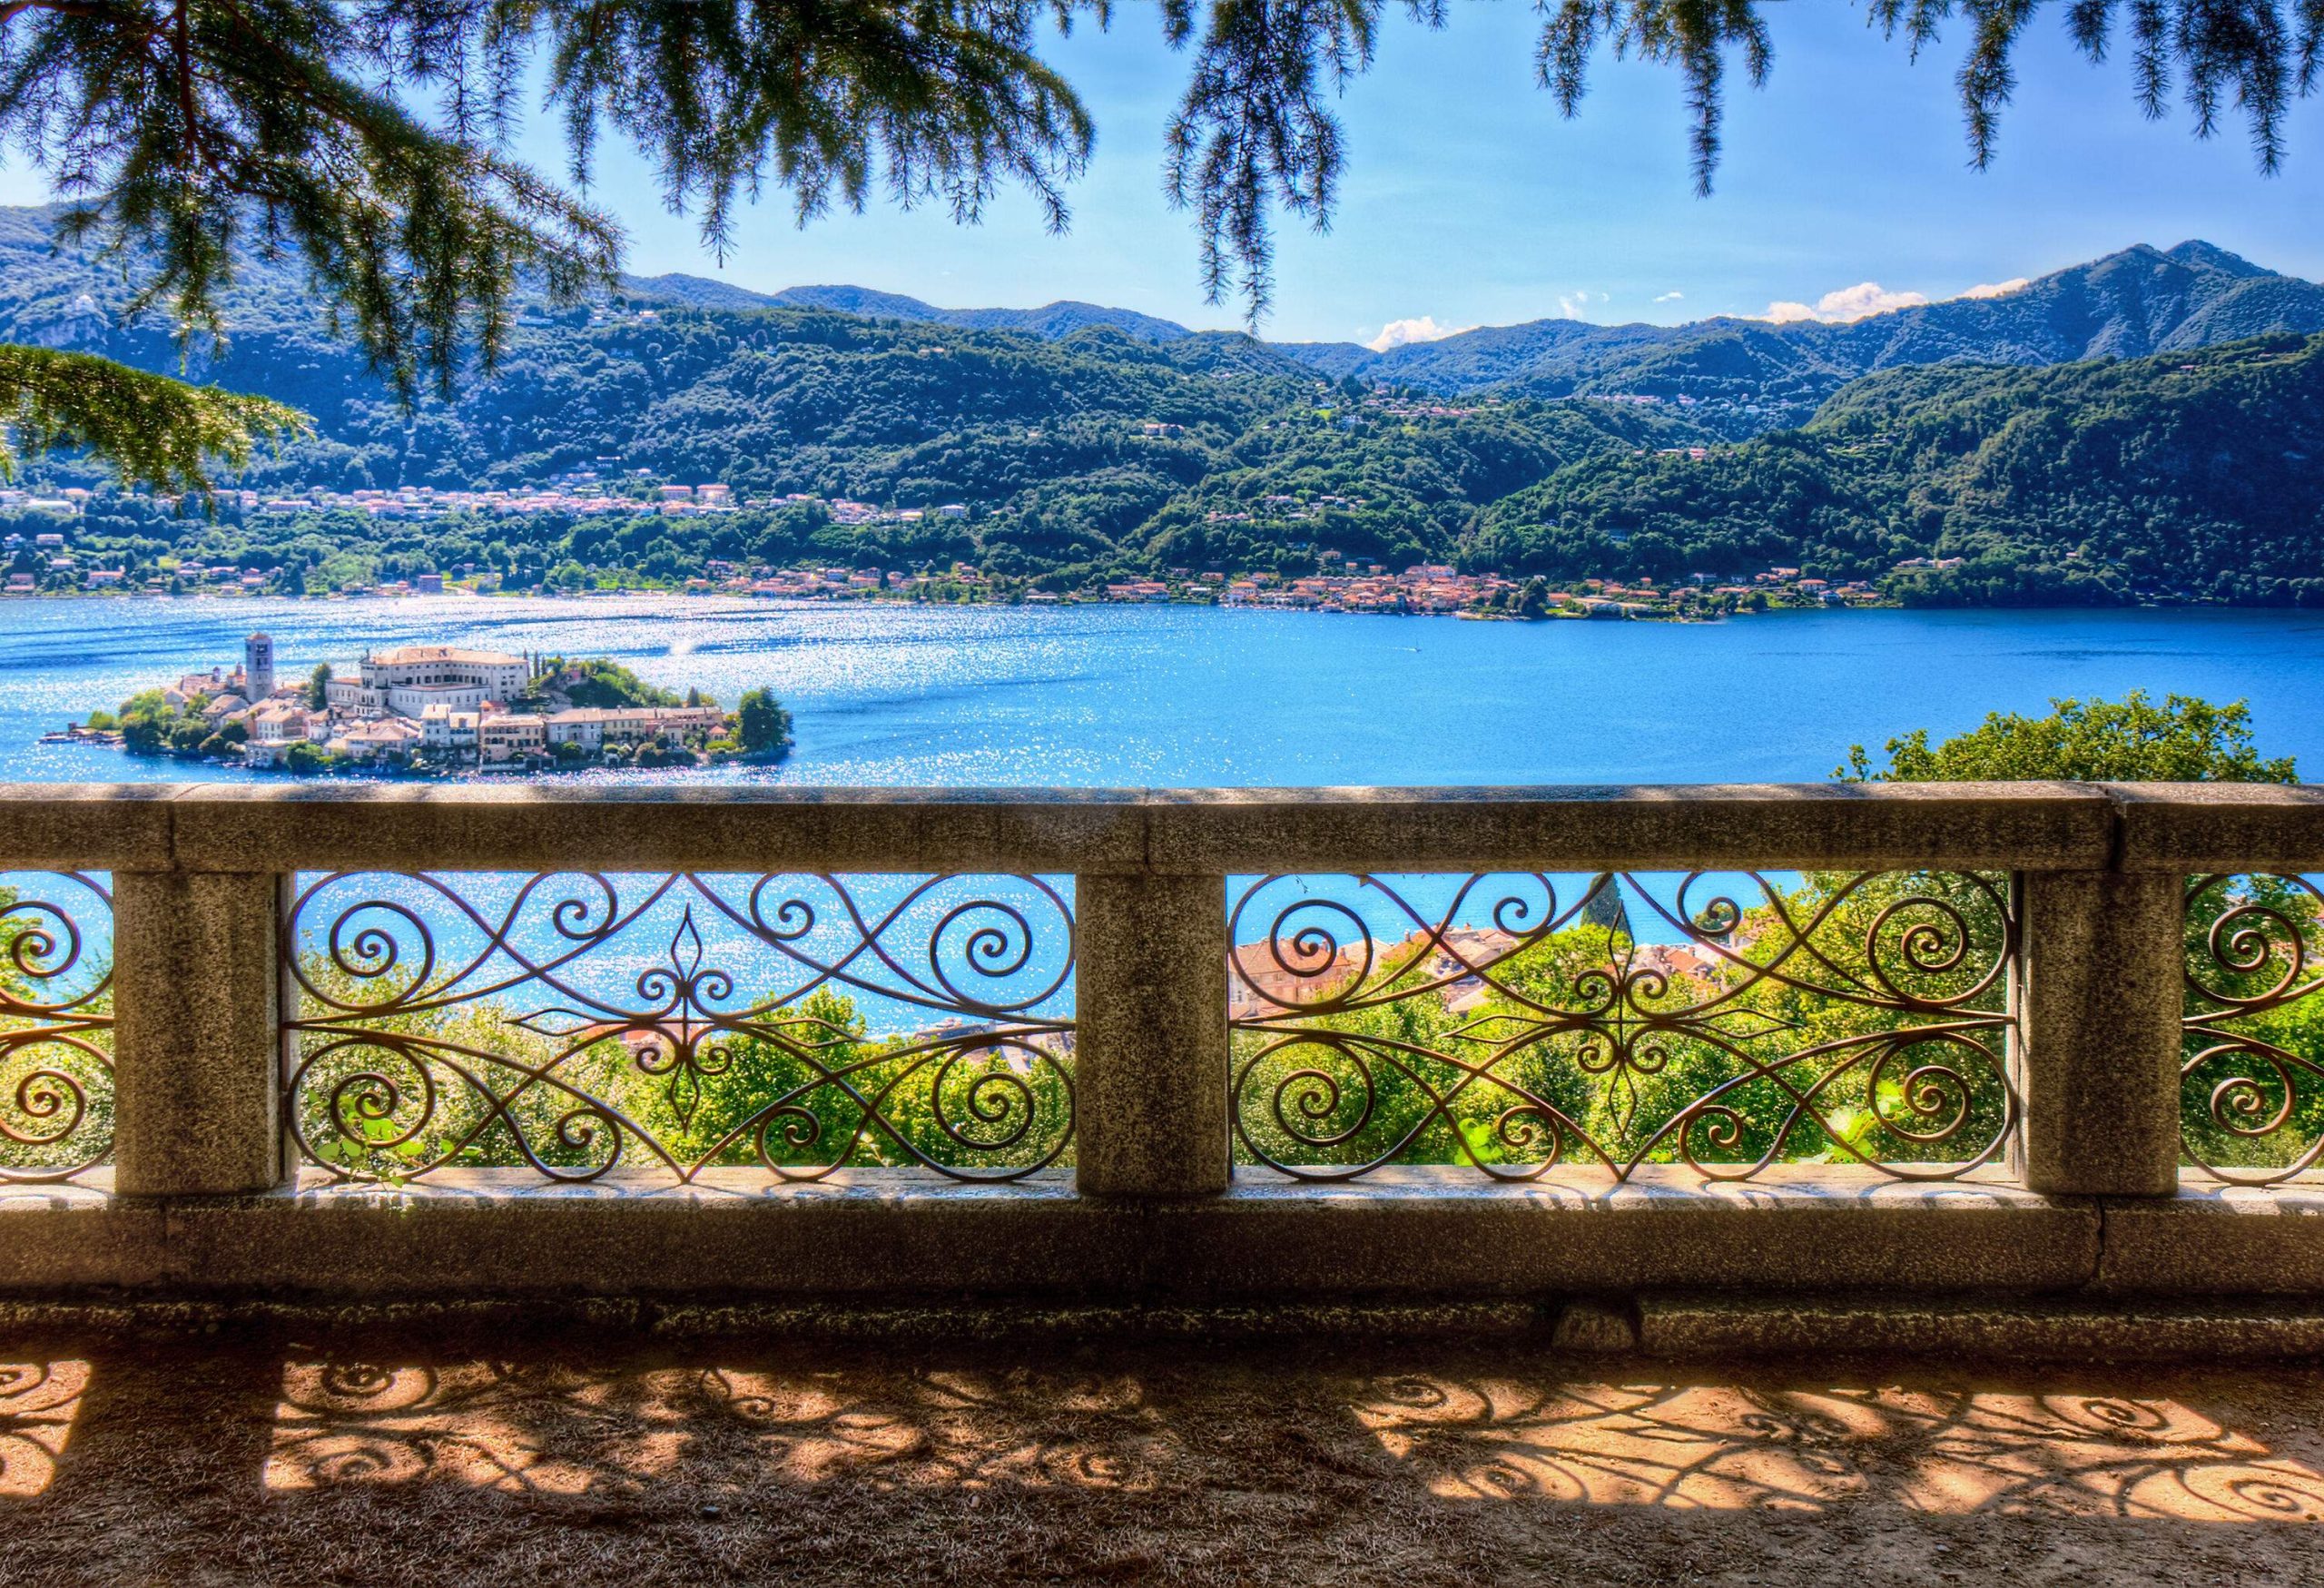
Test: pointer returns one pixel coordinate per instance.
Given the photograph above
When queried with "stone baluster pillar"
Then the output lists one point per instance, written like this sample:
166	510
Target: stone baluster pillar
2102	1001
197	1033
1150	1059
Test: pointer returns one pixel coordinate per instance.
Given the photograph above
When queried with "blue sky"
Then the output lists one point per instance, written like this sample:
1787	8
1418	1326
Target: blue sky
1469	201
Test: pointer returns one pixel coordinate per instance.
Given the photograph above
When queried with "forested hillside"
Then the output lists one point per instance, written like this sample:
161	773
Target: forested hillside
2185	475
1082	450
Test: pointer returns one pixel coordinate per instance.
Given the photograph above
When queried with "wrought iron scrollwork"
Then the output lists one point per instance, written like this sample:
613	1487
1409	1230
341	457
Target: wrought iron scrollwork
571	1023
1733	1024
2252	1071
56	1025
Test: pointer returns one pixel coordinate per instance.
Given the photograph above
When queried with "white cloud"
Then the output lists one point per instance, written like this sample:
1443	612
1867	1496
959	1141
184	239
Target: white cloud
1870	298
1397	333
1669	297
1838	308
1571	305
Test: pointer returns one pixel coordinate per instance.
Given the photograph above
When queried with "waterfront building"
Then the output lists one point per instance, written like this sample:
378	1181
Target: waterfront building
407	682
511	738
592	727
443	728
378	738
274	727
281	720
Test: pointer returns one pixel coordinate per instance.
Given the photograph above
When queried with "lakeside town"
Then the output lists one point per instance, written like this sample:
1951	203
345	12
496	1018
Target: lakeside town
46	563
428	709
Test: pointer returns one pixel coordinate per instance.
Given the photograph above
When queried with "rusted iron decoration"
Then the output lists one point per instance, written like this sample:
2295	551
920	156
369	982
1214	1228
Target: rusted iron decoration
2252	1107
56	1025
1860	1019
678	1023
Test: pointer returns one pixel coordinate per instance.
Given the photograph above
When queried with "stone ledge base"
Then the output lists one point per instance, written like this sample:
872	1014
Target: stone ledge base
1413	1240
2033	1328
876	1239
448	1322
1662	1326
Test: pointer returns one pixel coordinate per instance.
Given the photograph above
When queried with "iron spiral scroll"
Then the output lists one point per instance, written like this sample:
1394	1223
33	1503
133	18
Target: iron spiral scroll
1858	1018
2252	1105
678	1023
56	1025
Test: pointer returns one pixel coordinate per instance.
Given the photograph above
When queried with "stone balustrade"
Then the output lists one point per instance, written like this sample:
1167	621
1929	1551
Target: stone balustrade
236	1167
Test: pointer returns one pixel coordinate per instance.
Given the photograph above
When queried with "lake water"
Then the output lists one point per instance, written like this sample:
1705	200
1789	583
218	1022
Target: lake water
1101	697
1098	697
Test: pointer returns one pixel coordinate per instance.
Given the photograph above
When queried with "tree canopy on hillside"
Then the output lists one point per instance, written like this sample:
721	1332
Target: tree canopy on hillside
371	138
2084	484
2177	477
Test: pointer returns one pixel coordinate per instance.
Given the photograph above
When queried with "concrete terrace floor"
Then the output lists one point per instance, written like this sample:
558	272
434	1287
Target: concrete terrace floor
562	1459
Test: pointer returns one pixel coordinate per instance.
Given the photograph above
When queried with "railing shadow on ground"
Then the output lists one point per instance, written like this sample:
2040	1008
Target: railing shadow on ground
38	1403
1421	1463
1808	1445
566	1428
566	1420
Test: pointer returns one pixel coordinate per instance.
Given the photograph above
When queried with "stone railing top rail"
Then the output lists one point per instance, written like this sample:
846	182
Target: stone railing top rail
2038	826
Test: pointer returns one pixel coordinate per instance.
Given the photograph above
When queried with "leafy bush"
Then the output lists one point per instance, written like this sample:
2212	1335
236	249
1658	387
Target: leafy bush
2183	740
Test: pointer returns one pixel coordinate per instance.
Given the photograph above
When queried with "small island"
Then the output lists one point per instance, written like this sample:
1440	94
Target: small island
425	709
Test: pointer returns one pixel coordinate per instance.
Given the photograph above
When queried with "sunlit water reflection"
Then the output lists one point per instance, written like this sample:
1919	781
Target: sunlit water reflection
1136	697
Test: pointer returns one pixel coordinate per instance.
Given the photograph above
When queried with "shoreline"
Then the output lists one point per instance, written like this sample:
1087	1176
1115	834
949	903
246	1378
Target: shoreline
389	772
1634	612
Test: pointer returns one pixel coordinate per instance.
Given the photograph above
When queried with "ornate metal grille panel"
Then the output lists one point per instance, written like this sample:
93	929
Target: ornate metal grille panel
1727	1023
2251	1074
577	1022
55	1024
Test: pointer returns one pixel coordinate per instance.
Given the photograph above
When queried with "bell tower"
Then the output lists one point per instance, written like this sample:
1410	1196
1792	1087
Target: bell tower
258	667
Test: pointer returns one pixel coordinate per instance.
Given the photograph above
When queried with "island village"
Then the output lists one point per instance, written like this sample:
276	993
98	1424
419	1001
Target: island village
434	708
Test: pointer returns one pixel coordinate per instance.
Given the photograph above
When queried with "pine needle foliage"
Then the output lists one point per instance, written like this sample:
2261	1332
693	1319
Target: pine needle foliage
371	138
152	429
2256	56
196	132
370	135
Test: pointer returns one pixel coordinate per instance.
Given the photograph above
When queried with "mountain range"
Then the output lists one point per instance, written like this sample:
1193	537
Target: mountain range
1738	378
2136	428
1755	375
1052	320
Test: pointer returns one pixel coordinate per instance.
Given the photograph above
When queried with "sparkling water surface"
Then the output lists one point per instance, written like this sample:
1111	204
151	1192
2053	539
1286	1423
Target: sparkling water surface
1121	696
1128	696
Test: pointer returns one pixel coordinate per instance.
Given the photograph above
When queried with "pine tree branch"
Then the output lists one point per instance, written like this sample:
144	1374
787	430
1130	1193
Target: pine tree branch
151	430
370	135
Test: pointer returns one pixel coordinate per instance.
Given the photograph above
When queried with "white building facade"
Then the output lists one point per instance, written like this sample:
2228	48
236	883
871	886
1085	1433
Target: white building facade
592	727
407	682
443	728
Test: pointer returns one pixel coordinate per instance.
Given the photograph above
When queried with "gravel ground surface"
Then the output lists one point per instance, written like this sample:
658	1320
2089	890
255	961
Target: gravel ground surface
561	1460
